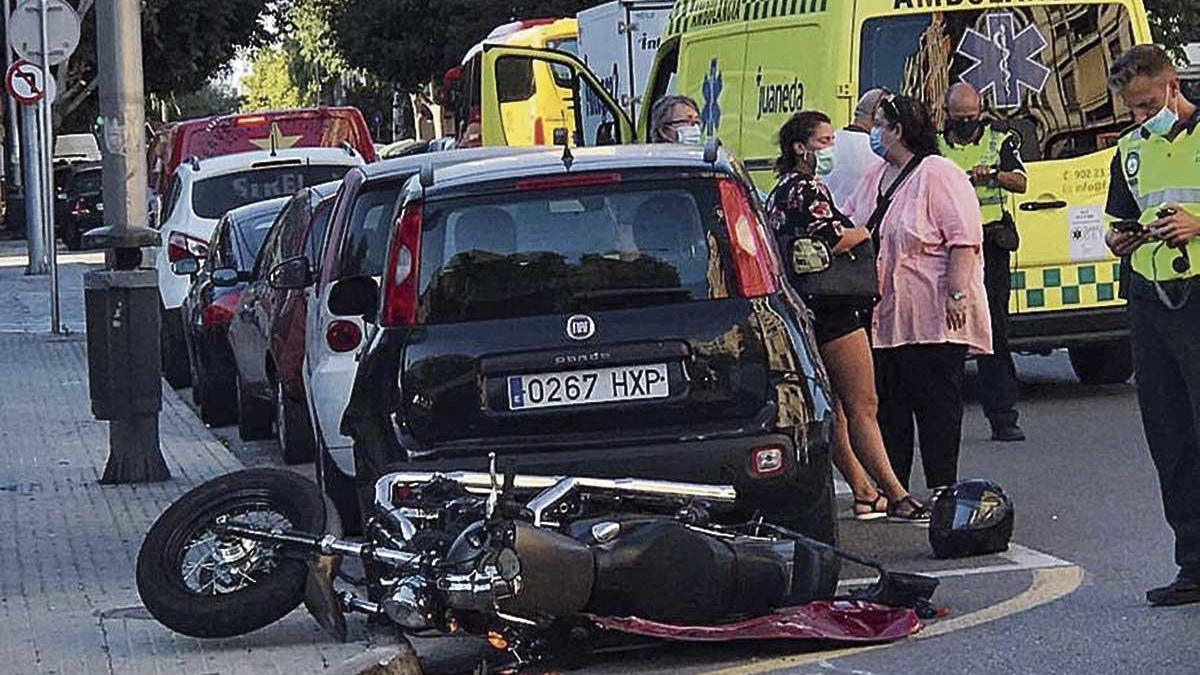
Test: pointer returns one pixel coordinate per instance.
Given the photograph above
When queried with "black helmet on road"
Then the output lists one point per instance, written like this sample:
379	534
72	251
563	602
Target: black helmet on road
971	517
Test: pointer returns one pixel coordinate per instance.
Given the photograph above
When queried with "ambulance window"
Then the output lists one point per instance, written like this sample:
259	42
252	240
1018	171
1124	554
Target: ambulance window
568	45
514	79
1042	70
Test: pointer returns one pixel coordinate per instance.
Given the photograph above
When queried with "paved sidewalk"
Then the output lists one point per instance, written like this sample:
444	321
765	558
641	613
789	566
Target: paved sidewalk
68	602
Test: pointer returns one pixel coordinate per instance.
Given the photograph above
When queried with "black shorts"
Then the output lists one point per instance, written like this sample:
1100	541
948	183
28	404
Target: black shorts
831	323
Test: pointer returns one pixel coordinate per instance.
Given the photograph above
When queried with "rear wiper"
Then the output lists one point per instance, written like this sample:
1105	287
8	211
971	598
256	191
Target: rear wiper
609	293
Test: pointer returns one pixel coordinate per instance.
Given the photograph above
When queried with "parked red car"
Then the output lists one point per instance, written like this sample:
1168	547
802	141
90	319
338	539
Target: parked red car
229	134
267	331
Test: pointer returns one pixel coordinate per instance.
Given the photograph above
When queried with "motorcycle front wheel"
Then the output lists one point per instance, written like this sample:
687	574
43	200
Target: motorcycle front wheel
202	584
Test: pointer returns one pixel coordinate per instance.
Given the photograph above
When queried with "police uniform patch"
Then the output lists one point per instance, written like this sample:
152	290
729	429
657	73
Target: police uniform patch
1133	163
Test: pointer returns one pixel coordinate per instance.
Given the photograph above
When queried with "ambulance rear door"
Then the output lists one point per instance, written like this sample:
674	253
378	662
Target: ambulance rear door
593	117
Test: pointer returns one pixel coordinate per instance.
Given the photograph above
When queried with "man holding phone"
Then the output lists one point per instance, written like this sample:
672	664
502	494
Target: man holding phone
1154	203
989	153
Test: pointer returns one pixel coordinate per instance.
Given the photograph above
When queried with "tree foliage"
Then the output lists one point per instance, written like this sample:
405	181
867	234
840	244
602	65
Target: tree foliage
411	42
214	98
270	85
183	43
1175	22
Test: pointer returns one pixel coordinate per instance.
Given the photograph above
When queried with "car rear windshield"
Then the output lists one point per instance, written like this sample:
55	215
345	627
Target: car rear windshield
88	182
556	251
365	244
250	233
212	197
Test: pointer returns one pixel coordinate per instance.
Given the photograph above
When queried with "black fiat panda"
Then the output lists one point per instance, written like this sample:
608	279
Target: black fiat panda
612	311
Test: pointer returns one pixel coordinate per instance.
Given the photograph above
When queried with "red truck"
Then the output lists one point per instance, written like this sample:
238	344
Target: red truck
247	132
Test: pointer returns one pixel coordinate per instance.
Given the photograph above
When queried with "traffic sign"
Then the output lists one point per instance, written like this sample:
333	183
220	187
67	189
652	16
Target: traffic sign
25	30
24	82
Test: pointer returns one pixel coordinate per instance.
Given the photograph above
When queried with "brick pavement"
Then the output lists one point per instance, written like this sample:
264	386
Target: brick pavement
68	603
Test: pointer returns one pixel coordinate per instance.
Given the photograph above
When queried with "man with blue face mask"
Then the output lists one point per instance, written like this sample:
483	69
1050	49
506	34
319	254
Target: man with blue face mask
1154	207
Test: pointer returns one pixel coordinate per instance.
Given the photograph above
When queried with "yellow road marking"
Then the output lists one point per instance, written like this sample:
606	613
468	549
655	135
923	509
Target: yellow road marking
1048	585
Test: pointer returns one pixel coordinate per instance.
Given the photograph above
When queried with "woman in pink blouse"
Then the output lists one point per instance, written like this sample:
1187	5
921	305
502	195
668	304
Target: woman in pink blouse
933	307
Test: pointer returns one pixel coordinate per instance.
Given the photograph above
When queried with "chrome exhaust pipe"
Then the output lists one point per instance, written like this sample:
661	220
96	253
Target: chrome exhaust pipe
480	483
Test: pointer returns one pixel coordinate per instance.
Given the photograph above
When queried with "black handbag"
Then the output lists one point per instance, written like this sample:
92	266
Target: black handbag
851	279
1002	234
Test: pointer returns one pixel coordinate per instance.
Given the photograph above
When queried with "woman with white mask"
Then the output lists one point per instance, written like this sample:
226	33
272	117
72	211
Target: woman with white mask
675	119
803	217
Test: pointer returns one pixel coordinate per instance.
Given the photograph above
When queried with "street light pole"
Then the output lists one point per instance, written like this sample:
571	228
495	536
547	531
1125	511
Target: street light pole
124	362
48	191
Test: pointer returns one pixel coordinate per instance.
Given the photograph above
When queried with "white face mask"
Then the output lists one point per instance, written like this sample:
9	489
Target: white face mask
689	135
1164	120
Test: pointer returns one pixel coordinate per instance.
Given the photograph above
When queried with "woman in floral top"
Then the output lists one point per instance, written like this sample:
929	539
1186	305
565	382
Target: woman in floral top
800	206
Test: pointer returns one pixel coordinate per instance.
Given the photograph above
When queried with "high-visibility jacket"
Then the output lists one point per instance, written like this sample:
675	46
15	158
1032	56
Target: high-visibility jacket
985	152
1160	172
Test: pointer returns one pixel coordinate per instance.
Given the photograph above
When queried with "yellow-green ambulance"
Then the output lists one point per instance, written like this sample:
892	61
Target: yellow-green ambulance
1041	66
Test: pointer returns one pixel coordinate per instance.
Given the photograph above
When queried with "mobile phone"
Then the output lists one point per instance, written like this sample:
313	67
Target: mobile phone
1128	226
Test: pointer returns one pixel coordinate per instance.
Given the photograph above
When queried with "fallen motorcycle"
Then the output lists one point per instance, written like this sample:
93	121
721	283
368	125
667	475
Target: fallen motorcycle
542	566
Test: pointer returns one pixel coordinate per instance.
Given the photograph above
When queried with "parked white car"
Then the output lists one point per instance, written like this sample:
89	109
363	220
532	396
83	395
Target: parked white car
200	192
353	251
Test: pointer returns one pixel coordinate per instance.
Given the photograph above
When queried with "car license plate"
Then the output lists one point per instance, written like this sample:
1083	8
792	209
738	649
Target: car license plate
580	387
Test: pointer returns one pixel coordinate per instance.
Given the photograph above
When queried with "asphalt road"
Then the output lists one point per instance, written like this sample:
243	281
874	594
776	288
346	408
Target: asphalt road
1069	599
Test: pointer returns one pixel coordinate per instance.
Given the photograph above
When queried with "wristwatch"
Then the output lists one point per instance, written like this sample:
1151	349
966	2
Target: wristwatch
958	296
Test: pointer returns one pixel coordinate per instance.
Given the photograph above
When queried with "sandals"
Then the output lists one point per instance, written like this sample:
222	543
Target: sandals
871	509
916	512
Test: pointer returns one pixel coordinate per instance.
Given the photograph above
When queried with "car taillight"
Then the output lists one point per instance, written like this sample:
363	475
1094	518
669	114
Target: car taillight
343	336
766	461
220	312
78	208
400	275
751	255
180	246
539	131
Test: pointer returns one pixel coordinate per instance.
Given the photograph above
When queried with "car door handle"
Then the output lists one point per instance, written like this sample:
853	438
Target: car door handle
1043	206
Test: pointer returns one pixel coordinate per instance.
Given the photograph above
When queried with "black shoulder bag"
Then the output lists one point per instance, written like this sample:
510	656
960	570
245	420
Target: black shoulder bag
851	278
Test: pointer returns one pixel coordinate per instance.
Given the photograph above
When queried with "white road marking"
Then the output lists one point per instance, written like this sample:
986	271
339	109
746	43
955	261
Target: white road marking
1019	558
1048	585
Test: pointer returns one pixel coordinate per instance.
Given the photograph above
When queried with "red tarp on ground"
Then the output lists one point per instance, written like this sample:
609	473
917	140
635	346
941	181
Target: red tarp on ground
844	621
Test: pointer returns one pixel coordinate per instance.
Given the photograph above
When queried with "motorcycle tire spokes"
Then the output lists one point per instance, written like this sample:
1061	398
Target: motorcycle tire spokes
214	564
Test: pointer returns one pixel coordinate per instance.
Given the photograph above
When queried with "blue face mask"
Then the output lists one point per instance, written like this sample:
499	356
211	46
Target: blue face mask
877	146
1162	123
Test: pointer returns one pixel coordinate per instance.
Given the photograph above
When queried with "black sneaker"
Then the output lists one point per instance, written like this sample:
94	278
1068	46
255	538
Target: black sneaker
1182	591
1007	432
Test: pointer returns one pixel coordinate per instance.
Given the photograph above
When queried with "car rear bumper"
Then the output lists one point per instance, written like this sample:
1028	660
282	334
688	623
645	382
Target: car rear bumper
712	461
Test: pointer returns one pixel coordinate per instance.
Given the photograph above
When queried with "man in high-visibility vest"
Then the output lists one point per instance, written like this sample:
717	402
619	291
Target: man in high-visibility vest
1154	211
989	153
